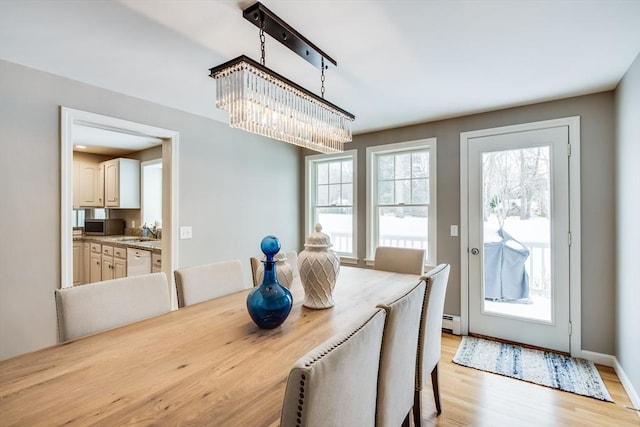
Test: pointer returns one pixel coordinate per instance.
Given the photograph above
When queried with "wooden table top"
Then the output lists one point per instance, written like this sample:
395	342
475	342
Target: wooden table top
207	364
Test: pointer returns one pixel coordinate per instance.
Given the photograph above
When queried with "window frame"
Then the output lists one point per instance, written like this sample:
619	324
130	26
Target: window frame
372	189
311	163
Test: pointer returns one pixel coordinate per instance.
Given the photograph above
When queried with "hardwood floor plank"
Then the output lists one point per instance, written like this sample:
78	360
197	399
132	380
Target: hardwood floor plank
475	398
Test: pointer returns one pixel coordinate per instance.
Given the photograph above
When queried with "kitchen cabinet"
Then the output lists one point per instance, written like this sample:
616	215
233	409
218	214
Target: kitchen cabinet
95	269
88	184
86	262
156	263
114	262
119	263
77	263
122	183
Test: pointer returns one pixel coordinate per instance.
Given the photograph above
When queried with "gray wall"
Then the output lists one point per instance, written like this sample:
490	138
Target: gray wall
628	223
234	188
597	168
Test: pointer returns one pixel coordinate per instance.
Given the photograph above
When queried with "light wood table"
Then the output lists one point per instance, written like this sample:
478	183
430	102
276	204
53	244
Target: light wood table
207	364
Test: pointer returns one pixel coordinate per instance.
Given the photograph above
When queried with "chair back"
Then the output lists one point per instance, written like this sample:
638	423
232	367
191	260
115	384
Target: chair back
86	309
257	269
335	384
431	322
399	260
398	358
208	281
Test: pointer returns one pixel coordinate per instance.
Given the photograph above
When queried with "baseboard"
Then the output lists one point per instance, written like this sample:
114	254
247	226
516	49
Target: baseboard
612	361
626	383
599	358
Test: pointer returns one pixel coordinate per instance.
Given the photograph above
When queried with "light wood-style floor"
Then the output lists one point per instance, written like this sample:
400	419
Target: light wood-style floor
471	397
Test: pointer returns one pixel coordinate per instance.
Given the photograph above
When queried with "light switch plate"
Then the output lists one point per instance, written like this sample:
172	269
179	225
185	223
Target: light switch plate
454	230
186	232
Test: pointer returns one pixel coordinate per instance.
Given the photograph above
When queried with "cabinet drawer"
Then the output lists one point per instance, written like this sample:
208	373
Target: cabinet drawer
96	248
120	253
107	250
156	260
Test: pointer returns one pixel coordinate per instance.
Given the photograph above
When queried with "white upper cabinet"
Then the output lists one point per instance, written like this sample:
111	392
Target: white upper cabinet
122	183
88	184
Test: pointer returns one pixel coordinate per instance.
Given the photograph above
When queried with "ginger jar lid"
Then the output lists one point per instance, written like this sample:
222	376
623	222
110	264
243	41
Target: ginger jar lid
318	239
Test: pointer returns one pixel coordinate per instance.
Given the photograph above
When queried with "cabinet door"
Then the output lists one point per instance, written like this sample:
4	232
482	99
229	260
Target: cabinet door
156	263
95	271
107	267
119	268
89	182
86	262
77	263
111	183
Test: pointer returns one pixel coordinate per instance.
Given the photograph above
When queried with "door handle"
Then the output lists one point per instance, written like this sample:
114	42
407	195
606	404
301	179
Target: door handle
475	251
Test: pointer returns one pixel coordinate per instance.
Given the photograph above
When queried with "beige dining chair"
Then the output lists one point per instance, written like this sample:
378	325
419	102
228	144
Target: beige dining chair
430	337
83	310
291	259
204	282
396	380
335	383
399	260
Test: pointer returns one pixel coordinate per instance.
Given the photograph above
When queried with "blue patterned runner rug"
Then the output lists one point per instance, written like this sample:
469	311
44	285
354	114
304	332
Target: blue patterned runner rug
574	375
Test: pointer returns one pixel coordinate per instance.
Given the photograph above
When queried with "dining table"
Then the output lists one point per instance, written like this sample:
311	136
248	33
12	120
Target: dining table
206	364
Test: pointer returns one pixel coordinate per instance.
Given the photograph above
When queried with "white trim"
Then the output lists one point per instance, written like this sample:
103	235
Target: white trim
309	183
371	219
626	383
598	358
575	283
69	117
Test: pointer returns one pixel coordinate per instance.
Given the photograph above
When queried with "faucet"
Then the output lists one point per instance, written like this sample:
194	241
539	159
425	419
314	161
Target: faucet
153	230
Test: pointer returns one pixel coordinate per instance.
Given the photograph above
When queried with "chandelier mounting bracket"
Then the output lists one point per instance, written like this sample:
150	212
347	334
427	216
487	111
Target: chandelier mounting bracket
260	16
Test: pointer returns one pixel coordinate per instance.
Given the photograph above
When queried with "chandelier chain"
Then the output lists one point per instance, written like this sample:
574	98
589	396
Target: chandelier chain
322	78
262	39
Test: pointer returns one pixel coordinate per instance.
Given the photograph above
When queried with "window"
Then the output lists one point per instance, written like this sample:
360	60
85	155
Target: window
401	197
152	192
331	199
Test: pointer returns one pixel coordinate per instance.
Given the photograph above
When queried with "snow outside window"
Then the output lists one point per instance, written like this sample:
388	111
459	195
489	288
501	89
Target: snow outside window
331	199
401	198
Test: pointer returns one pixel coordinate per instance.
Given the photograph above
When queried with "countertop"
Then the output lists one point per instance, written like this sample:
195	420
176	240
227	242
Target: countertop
153	245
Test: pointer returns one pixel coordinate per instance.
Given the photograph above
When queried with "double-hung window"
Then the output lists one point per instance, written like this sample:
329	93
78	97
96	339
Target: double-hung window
401	198
331	199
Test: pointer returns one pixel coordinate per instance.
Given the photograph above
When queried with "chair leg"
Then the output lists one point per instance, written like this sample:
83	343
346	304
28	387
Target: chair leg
417	408
407	420
436	389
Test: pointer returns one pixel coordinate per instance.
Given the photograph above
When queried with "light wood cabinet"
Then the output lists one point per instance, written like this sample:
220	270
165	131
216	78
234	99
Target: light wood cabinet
86	262
114	262
95	269
122	183
88	184
156	263
77	263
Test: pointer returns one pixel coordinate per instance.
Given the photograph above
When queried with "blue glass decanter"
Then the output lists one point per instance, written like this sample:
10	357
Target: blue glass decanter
270	303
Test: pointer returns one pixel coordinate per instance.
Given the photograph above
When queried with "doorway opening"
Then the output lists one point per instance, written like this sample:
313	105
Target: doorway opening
71	122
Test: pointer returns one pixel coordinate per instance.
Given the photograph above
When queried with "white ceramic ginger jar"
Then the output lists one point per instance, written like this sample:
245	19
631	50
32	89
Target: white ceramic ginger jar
284	271
319	267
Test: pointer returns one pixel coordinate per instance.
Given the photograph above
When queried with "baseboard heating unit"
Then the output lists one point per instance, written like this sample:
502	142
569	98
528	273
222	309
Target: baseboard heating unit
451	324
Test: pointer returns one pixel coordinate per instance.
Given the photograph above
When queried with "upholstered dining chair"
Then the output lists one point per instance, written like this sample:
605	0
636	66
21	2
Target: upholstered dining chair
291	259
396	380
83	310
335	383
430	337
399	260
204	282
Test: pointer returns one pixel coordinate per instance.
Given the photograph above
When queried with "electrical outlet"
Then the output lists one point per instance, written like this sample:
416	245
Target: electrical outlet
186	232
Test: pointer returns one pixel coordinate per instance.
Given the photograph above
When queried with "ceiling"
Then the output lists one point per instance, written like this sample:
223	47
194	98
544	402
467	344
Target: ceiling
95	140
399	62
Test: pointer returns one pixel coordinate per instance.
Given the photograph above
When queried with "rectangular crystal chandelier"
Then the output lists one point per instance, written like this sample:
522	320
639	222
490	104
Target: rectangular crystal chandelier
263	102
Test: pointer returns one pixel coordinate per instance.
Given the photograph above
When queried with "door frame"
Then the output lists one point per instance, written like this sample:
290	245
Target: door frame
68	118
573	124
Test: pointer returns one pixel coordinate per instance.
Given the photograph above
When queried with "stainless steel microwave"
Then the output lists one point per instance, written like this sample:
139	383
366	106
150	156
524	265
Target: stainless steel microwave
103	227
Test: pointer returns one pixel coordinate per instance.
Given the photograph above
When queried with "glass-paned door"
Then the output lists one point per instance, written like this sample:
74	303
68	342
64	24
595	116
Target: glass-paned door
519	237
